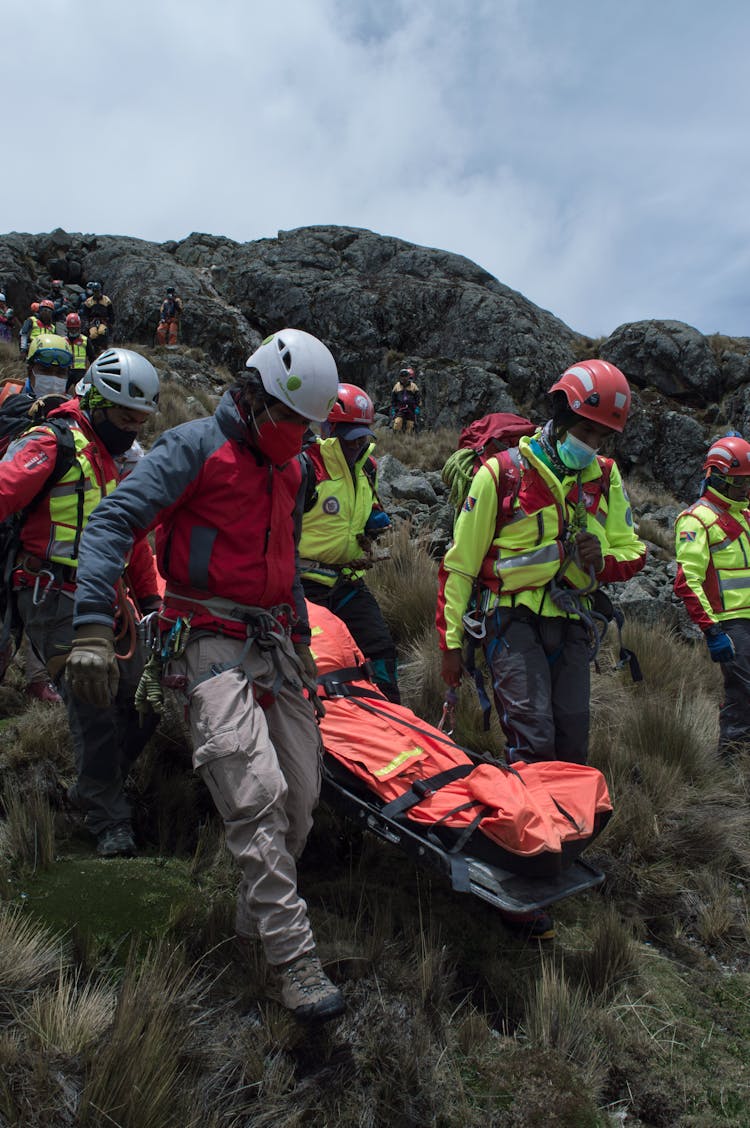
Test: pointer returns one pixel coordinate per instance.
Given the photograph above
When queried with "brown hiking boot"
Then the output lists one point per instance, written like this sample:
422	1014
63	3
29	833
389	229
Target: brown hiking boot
305	989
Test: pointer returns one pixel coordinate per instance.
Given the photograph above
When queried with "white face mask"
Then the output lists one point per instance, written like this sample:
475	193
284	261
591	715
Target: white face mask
45	385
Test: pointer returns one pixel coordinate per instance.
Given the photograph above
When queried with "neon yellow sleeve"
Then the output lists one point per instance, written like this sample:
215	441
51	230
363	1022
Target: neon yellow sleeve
473	535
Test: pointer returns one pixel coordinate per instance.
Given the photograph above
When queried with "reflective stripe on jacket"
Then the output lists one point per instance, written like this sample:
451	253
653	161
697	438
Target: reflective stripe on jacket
712	543
345	500
515	561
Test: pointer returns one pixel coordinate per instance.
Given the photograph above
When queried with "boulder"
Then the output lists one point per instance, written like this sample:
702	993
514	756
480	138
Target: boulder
669	356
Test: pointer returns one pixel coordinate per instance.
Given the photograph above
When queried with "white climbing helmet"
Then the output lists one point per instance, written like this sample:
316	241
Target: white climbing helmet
125	378
299	370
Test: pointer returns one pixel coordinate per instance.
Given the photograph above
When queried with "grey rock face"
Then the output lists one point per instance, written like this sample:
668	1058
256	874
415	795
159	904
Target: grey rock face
669	356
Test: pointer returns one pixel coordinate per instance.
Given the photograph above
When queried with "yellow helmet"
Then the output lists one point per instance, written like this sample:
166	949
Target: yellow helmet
48	348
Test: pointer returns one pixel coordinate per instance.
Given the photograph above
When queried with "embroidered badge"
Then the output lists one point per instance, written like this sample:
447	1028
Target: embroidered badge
331	505
37	459
687	536
469	504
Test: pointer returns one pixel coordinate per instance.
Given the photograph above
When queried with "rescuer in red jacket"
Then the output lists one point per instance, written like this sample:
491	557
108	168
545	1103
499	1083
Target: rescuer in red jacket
223	494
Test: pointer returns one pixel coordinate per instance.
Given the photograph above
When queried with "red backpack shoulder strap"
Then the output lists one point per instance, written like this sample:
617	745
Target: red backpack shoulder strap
507	482
605	465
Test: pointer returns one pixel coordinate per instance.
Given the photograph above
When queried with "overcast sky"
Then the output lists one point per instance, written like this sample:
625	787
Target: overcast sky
590	153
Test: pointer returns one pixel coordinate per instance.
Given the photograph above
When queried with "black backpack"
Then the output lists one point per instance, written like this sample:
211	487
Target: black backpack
19	413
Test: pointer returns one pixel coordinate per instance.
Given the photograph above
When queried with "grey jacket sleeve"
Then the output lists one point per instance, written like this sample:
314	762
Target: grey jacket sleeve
167	473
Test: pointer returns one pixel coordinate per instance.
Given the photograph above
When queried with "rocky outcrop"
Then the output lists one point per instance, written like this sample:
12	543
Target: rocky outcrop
380	302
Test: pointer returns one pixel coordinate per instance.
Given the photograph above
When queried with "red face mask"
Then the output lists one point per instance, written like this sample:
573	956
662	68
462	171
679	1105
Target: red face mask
280	440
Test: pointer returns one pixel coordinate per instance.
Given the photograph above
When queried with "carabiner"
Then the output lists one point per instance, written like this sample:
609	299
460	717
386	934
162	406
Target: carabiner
38	598
475	624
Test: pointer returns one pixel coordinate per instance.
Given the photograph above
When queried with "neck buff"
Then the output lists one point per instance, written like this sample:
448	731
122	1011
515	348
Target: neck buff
116	439
548	450
279	441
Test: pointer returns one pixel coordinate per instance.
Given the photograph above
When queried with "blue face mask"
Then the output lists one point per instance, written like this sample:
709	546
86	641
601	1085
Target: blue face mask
574	454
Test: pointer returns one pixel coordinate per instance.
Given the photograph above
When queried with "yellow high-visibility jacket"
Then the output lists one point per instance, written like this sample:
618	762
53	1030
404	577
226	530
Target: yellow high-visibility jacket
712	543
511	561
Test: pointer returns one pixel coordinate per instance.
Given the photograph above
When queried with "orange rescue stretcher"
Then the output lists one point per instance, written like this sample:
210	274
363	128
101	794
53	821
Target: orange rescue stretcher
511	836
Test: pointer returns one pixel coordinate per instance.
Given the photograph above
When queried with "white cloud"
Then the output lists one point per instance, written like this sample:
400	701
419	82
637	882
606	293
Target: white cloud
589	155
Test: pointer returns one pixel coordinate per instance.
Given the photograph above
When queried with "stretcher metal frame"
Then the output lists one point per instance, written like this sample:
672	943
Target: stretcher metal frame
504	890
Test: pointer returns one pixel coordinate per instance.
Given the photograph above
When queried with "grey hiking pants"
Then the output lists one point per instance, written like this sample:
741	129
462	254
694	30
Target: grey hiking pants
106	742
262	767
541	682
734	714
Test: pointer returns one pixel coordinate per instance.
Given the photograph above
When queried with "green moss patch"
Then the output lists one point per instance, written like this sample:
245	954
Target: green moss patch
110	903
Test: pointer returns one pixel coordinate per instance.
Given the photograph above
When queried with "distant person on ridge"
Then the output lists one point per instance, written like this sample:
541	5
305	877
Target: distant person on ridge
39	321
61	306
339	530
7	320
712	542
97	319
169	318
406	402
79	345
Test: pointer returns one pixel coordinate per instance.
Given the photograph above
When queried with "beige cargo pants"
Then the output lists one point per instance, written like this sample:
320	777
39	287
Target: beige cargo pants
262	768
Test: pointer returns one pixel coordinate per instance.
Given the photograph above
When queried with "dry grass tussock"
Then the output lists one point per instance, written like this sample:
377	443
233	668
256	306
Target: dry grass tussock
38	736
405	585
30	956
562	1016
428	450
69	1017
27	832
139	1074
644	494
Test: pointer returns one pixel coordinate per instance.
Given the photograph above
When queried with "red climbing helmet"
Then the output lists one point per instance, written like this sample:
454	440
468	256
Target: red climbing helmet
597	390
73	323
730	455
353	405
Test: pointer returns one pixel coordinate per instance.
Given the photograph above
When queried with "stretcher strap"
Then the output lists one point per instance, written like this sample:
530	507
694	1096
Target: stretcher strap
337	682
423	788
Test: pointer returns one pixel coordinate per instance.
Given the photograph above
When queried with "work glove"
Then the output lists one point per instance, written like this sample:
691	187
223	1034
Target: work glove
720	645
589	550
304	653
452	667
91	668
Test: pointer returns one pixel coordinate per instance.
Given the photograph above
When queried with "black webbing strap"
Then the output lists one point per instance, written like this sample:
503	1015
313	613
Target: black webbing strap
336	683
423	788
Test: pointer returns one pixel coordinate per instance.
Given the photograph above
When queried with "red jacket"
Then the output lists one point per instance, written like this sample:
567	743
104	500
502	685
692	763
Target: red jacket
23	475
224	519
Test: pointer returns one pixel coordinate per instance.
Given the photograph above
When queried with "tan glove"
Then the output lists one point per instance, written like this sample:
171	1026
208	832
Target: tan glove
304	653
91	669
